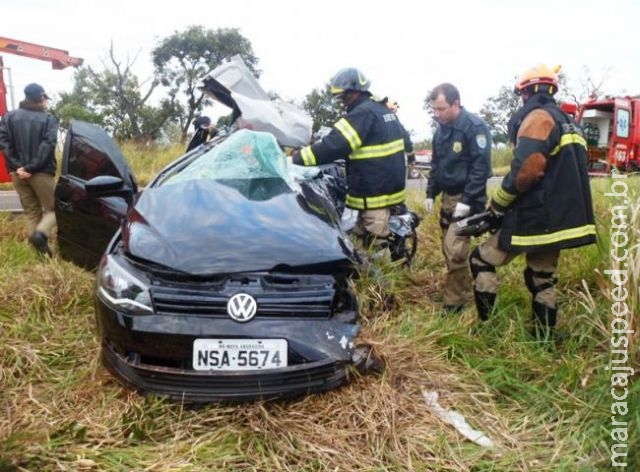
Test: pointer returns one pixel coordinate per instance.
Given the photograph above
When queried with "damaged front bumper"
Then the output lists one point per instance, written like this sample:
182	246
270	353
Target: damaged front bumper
153	354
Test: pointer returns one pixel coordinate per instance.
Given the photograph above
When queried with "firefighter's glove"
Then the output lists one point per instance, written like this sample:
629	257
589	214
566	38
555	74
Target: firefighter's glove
495	221
496	209
461	210
497	214
428	205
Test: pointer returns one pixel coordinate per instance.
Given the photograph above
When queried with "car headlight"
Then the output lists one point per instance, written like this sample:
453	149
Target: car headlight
121	288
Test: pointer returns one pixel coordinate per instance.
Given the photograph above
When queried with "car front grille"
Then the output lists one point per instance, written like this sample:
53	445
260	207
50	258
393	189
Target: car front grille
192	387
308	296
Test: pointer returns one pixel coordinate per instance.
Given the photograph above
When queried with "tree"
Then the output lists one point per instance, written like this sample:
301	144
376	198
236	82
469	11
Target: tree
497	111
322	107
76	104
184	58
114	99
587	86
426	106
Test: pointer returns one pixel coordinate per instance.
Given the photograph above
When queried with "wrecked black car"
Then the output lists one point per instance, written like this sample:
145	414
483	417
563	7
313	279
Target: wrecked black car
226	278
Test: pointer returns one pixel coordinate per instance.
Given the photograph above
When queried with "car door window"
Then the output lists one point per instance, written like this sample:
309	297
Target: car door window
86	162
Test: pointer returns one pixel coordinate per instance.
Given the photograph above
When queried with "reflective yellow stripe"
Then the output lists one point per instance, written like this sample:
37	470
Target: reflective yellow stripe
558	236
308	157
378	150
503	198
317	209
567	139
381	201
350	134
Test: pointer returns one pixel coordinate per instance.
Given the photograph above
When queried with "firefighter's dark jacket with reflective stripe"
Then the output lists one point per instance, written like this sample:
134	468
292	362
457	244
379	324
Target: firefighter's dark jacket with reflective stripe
546	193
461	162
370	139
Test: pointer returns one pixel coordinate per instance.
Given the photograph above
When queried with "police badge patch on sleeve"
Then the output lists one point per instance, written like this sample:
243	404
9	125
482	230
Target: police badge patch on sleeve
481	141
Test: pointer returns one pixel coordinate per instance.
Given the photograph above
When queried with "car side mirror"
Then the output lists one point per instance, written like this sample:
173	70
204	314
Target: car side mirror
103	184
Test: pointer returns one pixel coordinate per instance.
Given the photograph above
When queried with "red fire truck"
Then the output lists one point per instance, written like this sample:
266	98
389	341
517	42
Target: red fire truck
58	58
612	130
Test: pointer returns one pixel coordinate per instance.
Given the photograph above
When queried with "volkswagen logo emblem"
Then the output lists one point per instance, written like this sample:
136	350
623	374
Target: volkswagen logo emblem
242	307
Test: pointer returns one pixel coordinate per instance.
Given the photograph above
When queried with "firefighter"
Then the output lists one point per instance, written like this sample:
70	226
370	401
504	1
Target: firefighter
460	167
370	140
545	200
408	144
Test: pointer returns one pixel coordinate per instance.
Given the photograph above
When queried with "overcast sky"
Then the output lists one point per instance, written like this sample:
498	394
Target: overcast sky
405	49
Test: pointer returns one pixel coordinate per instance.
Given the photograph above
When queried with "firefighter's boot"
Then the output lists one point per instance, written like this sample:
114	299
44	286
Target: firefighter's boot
544	322
485	277
485	302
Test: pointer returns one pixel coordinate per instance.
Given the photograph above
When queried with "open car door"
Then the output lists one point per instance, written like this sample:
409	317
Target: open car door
93	194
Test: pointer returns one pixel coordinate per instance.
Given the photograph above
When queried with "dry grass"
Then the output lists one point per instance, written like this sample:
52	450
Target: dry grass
545	409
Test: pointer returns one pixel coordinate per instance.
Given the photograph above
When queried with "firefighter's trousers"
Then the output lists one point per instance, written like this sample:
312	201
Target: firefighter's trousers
539	275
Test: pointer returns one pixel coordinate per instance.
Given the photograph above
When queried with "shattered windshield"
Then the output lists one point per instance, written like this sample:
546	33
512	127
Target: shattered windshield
244	155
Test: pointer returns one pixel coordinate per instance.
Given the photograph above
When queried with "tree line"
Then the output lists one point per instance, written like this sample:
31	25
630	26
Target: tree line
115	98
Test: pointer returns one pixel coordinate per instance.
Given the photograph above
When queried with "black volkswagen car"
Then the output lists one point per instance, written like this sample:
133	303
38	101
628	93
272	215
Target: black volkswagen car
228	277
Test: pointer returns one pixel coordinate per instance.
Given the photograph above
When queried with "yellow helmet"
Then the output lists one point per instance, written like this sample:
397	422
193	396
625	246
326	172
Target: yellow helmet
538	75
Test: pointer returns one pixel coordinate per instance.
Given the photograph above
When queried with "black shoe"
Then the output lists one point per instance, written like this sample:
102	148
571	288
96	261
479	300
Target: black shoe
453	309
548	334
544	321
485	303
39	240
542	333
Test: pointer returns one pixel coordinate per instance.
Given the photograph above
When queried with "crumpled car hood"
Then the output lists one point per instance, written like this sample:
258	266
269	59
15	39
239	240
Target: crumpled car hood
209	227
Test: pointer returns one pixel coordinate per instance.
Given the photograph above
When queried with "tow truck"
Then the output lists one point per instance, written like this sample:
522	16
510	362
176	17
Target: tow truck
58	58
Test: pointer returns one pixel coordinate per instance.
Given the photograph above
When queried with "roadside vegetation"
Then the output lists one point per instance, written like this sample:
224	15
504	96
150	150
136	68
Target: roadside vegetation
545	407
147	160
501	160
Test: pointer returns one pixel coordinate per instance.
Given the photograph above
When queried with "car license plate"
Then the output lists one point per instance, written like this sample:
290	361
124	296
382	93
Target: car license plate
239	354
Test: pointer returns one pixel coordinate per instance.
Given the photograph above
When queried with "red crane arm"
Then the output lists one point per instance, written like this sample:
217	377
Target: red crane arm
58	58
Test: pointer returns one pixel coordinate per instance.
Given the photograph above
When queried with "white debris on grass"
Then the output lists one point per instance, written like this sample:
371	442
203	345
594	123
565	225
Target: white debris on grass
456	420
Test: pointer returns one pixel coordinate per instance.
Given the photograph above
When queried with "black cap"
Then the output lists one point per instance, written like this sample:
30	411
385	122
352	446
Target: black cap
35	92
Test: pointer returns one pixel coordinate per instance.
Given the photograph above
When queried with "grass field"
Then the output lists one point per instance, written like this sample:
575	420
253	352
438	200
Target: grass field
545	408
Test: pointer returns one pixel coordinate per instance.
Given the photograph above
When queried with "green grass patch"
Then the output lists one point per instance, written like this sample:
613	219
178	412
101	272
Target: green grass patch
546	407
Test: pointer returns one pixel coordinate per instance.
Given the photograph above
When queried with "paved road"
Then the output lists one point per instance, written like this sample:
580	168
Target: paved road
9	201
421	183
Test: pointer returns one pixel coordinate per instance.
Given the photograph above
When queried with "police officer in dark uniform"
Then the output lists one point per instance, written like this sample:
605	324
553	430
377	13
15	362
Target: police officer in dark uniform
460	167
370	139
545	201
